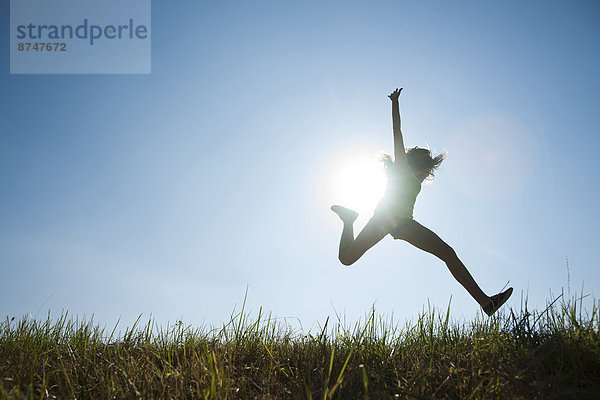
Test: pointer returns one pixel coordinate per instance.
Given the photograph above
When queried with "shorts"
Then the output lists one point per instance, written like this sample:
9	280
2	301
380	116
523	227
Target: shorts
395	225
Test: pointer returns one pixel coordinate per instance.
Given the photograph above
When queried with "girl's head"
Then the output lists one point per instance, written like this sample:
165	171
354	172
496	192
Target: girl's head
422	163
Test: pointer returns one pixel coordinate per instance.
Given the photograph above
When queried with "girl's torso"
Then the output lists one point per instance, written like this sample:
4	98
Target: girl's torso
401	192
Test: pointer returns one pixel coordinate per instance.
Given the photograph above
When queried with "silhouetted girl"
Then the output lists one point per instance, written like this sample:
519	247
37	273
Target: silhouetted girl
394	215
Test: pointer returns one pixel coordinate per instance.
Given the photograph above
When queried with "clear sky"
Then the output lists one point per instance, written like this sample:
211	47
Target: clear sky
171	193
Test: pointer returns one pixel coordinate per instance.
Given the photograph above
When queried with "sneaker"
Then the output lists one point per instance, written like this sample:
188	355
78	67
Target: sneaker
346	214
497	301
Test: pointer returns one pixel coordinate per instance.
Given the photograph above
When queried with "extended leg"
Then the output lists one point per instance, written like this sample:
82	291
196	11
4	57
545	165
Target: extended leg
423	238
352	249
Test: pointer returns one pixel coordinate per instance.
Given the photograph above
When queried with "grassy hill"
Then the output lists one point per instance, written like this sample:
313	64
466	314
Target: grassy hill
551	353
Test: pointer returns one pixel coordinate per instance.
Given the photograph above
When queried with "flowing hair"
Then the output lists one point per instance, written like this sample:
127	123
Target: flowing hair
419	159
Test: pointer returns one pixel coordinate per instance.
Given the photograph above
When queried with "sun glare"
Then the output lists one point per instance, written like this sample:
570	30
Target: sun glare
356	180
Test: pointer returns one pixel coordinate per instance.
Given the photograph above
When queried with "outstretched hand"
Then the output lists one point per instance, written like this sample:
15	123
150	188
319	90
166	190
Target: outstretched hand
395	94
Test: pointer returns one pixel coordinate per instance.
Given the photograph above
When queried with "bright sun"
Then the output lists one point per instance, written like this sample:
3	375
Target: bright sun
356	180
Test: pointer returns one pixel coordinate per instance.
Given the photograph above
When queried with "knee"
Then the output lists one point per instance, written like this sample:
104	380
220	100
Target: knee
347	255
346	259
447	254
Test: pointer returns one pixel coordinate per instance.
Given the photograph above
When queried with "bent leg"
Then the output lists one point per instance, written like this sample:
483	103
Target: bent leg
352	249
425	239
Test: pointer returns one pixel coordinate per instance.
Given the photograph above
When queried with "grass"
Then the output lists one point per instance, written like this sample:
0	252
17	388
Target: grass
553	353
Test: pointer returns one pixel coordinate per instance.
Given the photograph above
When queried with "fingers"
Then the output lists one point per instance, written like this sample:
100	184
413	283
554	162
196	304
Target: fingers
396	93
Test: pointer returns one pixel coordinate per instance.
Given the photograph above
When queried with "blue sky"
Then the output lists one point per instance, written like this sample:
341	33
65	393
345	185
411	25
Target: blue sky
171	193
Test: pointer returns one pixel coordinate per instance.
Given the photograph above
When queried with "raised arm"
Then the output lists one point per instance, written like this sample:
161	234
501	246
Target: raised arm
399	151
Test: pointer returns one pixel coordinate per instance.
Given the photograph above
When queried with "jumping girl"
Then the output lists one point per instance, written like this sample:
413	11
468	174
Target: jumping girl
394	215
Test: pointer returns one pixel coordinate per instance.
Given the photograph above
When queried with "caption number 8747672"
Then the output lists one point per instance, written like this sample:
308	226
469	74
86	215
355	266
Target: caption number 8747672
41	46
